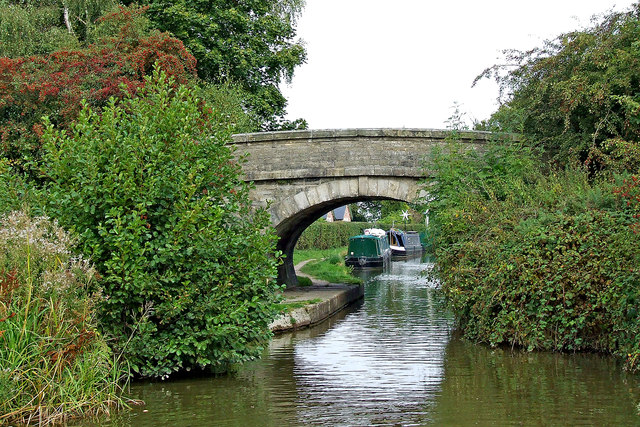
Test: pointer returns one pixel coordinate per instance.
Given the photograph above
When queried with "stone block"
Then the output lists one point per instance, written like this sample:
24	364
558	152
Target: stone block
301	201
313	196
363	186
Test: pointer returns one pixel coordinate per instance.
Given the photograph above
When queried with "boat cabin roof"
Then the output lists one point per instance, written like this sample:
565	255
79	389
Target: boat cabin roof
375	232
365	236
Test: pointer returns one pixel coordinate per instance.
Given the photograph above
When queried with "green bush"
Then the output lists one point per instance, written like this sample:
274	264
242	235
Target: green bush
157	200
12	188
535	260
53	362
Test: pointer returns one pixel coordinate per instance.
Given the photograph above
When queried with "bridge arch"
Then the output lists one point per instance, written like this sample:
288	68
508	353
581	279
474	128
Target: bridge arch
300	175
292	215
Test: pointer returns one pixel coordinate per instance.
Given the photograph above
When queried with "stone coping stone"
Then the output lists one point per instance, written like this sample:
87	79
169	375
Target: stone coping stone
306	135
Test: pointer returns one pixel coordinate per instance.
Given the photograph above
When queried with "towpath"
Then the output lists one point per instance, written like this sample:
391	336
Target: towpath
332	298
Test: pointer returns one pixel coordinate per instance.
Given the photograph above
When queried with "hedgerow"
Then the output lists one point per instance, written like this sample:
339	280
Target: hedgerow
328	235
546	261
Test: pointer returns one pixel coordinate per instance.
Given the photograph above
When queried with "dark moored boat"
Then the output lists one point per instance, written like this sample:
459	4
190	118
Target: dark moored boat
404	244
368	250
412	242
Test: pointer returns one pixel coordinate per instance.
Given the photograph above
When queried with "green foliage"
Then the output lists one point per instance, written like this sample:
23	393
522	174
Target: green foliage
158	202
32	30
229	101
327	235
304	281
385	211
577	92
250	44
54	363
36	27
629	192
543	261
14	190
55	84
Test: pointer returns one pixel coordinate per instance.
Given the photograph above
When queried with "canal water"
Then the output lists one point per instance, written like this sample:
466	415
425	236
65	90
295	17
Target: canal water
394	360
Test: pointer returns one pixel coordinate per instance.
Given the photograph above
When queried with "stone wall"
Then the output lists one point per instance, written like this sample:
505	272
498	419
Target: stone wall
341	153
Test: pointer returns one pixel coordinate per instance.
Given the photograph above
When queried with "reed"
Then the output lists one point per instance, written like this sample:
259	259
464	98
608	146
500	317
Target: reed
54	364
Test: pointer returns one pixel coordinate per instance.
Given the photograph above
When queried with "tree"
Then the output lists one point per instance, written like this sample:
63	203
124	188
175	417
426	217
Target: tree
250	44
367	211
29	27
579	94
157	200
54	84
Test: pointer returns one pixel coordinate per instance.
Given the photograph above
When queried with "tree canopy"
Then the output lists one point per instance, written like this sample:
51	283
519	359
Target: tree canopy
249	47
579	94
36	27
249	43
53	84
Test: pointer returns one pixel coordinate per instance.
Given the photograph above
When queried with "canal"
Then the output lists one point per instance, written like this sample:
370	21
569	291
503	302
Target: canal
394	360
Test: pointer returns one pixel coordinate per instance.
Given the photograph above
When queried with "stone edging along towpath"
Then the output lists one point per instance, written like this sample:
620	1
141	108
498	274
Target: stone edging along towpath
334	297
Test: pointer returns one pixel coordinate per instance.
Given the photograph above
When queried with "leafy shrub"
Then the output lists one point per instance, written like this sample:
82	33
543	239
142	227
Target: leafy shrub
629	192
335	259
327	235
157	201
14	190
577	95
534	260
53	362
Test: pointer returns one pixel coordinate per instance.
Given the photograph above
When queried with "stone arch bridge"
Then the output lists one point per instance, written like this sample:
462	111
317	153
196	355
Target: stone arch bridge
301	175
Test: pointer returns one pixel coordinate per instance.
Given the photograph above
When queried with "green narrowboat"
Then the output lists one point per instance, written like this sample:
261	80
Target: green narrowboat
368	250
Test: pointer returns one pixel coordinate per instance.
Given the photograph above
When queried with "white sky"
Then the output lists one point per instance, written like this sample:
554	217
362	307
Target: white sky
403	63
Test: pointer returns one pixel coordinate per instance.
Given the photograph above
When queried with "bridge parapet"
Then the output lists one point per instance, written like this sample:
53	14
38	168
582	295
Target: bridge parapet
342	152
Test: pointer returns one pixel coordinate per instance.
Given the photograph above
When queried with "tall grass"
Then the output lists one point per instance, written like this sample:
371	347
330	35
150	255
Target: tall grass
54	364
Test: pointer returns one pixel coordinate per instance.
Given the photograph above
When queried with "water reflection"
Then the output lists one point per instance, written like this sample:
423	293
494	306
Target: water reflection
484	386
393	361
382	363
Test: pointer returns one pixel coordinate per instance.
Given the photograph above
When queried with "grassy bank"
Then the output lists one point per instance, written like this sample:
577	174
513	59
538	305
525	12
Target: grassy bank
288	307
327	264
54	363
